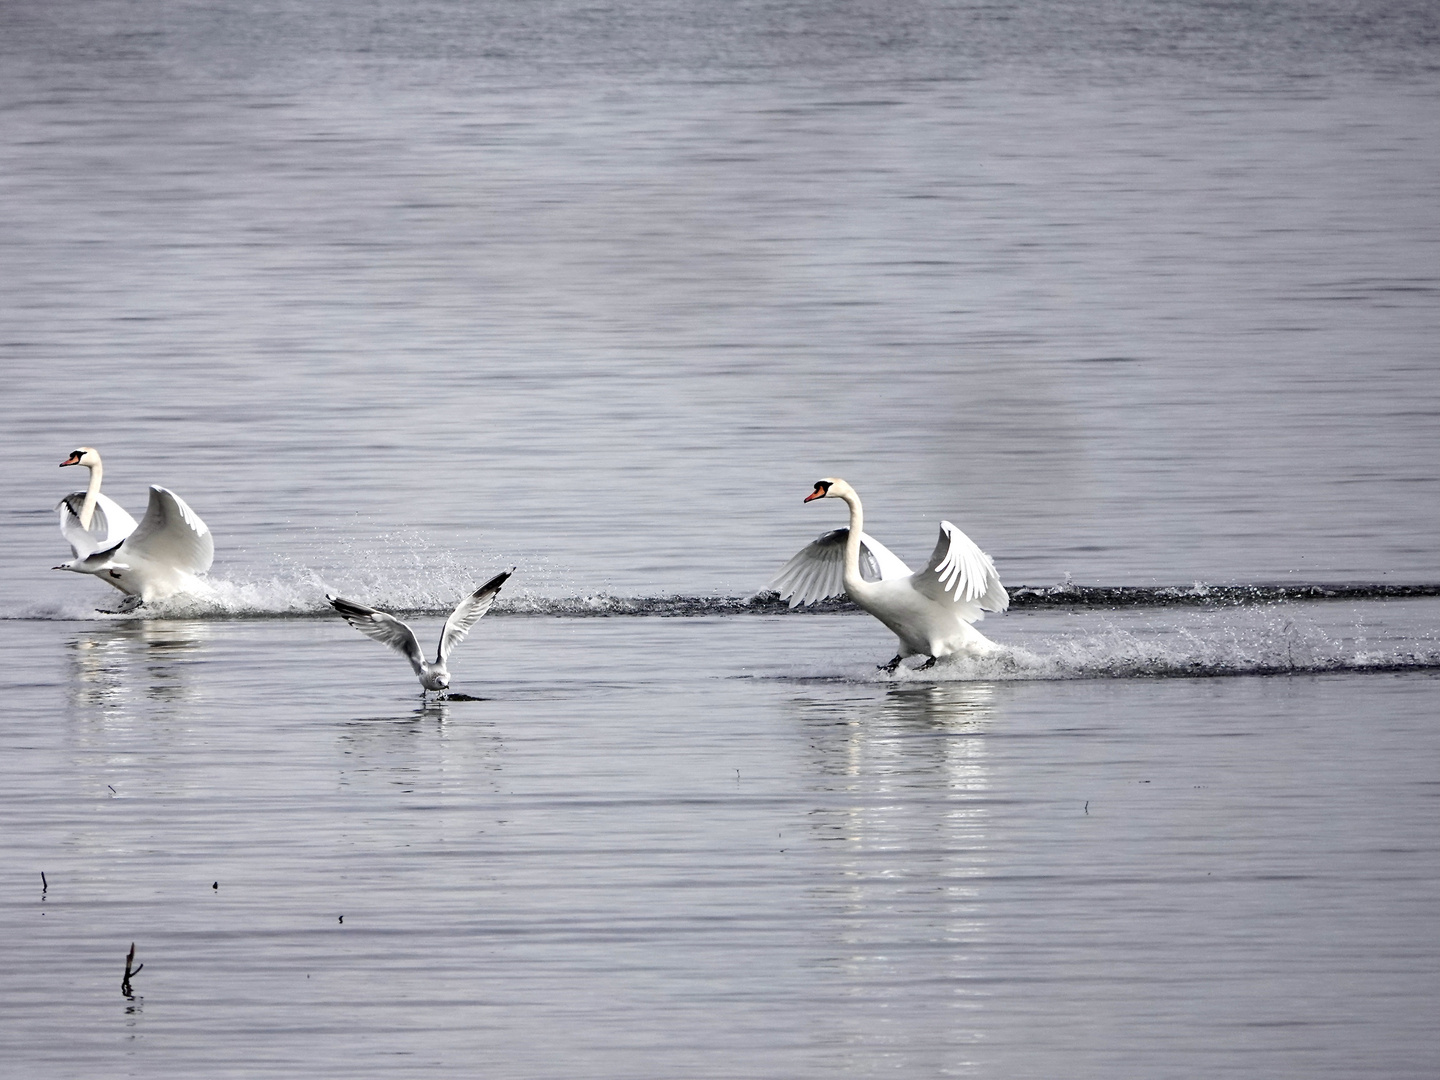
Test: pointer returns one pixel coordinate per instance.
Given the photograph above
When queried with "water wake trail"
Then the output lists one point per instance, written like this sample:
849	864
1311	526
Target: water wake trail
303	595
1214	645
1137	658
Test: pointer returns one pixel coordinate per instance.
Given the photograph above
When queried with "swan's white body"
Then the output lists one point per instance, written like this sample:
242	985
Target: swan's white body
388	630
930	612
161	556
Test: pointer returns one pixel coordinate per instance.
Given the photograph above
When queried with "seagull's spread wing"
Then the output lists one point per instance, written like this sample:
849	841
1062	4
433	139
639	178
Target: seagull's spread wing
109	523
384	628
818	570
172	534
468	613
961	574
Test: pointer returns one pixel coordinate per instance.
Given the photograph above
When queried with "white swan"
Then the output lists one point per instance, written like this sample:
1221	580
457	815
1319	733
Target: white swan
89	520
388	630
930	612
158	558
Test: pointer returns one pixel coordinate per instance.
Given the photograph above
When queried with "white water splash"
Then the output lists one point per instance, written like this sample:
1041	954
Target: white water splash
1269	641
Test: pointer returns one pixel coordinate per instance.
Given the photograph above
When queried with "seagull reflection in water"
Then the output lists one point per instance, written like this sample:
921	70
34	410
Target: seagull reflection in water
421	748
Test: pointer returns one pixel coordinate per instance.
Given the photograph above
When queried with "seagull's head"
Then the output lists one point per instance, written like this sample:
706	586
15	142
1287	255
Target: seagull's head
84	455
830	488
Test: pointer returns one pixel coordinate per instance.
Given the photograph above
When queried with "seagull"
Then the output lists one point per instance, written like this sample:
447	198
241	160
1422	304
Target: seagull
930	611
388	630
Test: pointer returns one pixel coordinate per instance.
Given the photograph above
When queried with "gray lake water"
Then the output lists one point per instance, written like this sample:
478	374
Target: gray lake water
399	295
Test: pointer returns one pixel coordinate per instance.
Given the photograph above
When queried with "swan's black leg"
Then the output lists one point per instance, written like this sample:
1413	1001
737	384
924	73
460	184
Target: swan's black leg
928	664
889	668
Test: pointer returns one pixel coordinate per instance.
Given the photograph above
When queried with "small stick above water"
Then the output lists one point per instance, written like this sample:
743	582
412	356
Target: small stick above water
125	982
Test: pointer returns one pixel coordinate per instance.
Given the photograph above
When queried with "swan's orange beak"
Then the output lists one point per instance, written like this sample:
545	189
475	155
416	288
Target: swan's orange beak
73	459
818	493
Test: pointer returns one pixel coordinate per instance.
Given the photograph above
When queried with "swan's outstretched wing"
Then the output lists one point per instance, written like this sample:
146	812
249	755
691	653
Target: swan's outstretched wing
109	523
963	575
467	613
171	534
882	564
384	628
818	570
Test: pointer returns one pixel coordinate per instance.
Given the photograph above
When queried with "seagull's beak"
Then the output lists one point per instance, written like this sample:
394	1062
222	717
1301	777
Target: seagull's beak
818	493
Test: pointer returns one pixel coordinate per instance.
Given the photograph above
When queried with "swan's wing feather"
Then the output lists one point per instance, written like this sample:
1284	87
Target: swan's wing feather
81	542
882	562
173	534
118	524
383	627
109	523
961	574
468	613
815	572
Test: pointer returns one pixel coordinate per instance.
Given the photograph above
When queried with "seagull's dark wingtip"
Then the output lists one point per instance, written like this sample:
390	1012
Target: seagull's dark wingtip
493	585
349	608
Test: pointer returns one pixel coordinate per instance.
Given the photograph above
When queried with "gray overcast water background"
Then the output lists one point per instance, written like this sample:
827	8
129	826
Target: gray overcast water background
397	295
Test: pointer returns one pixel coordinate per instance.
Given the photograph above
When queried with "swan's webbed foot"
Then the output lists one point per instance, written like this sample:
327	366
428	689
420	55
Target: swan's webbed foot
928	664
889	668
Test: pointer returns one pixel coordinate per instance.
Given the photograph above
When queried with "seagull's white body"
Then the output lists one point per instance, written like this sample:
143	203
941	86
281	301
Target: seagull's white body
930	612
161	556
388	630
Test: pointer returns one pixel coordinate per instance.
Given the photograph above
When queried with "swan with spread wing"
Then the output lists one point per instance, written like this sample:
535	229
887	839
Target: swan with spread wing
161	556
930	612
388	630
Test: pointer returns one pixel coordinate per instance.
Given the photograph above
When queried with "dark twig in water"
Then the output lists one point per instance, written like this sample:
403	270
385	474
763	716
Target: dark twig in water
44	885
125	982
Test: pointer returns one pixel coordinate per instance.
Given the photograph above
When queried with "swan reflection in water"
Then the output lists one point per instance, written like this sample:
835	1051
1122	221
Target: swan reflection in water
902	822
907	773
934	728
138	663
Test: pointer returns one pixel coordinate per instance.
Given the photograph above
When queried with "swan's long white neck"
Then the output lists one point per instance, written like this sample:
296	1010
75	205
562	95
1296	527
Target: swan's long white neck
92	492
853	580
